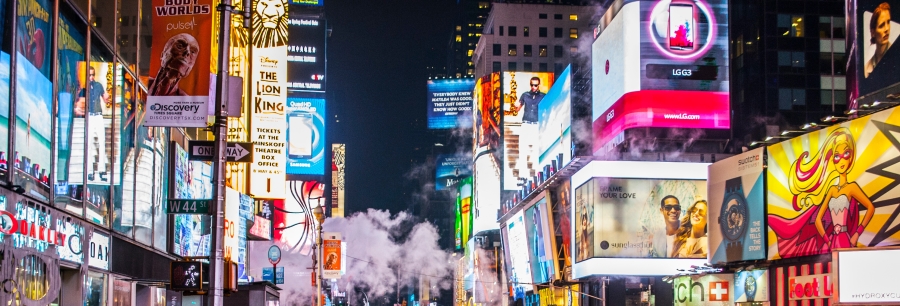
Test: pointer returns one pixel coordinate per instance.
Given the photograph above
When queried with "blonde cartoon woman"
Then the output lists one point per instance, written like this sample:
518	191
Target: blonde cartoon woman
831	201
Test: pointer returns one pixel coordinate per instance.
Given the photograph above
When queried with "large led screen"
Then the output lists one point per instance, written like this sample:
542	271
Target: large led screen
306	53
193	180
450	169
306	136
867	277
877	62
486	114
835	188
487	193
464	213
519	268
521	98
639	218
555	122
448	101
676	76
540	247
751	286
737	208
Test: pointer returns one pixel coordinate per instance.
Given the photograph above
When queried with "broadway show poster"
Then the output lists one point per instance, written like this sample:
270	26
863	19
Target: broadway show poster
269	95
34	101
835	188
448	101
450	169
737	208
178	92
877	58
751	286
523	93
331	252
306	136
642	218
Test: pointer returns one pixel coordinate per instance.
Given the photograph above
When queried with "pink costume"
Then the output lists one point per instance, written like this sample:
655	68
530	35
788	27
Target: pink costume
799	237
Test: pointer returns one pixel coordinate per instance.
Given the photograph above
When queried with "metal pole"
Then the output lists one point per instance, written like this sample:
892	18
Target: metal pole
320	254
220	130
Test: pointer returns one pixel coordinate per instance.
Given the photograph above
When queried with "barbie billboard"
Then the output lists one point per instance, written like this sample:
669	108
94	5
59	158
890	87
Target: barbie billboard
832	188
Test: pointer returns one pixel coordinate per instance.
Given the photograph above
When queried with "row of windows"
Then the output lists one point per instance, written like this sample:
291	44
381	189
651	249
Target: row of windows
795	26
558	16
542	32
527	67
512	50
829	63
788	98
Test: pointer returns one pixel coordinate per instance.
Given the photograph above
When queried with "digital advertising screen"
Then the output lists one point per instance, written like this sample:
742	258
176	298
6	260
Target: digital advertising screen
464	211
448	101
555	122
522	95
338	179
676	76
877	62
865	278
292	221
486	114
487	193
306	53
519	265
306	136
450	169
650	217
751	286
193	180
704	290
307	2
237	211
34	101
540	243
844	170
737	208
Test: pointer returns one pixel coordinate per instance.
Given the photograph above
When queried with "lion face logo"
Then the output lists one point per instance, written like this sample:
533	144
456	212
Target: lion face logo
270	21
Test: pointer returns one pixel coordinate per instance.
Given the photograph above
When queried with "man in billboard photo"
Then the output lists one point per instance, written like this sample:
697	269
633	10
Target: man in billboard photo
92	112
691	240
670	208
880	29
528	140
177	60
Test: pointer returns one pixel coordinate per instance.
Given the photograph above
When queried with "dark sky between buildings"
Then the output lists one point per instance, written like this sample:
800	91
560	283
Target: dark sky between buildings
377	56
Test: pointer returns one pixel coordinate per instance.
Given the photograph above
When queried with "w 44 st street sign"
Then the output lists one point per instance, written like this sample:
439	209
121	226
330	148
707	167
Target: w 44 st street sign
188	206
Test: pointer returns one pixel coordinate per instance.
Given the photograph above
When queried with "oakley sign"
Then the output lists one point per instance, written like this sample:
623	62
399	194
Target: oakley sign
10	225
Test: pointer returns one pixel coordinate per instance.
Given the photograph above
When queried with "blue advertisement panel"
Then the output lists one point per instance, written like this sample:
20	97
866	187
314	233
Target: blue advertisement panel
751	286
33	98
193	180
555	122
540	252
448	101
737	208
450	169
306	136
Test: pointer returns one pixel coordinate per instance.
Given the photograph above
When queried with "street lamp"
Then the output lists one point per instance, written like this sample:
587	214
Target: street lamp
320	217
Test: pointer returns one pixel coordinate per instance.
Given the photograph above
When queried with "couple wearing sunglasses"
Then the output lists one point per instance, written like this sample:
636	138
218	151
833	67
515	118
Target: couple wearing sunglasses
685	237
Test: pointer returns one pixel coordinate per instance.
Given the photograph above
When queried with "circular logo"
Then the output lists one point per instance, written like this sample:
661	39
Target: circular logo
604	244
733	216
750	287
274	254
607	66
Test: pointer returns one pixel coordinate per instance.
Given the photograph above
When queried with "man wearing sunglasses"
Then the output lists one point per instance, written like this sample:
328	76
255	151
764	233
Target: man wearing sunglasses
530	101
98	162
670	208
528	142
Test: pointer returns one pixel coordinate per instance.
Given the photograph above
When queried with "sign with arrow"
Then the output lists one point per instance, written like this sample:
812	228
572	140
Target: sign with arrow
237	152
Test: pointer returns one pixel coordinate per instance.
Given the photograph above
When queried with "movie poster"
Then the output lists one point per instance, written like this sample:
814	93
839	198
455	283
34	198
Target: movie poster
835	188
178	88
34	100
737	208
269	83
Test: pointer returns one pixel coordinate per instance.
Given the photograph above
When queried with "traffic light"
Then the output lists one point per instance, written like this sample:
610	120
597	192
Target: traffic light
189	276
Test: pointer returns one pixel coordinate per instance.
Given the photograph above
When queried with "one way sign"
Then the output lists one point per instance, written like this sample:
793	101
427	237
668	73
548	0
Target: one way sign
238	152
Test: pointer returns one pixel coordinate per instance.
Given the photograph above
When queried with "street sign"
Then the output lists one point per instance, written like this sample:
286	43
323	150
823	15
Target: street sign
274	254
237	152
276	276
279	275
188	206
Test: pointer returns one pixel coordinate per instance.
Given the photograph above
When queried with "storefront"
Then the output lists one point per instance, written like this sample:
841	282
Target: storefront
807	283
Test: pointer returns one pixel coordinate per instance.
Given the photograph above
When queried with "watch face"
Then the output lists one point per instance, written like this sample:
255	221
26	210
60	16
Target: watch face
733	218
750	286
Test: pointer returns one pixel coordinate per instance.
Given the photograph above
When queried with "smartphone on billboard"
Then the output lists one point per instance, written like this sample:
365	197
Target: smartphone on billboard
682	26
300	135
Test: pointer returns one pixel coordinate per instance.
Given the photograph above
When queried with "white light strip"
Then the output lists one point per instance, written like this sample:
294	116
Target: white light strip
633	266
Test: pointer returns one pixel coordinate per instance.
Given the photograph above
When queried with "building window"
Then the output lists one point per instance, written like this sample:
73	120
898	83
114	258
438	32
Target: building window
459	28
470	71
557	32
526	50
558	68
512	50
527	67
542	32
832	63
557	16
511	66
791	59
495	67
557	51
469	52
573	17
512	31
573	33
497	51
573	50
525	31
790	25
542	50
542	16
790	97
832	27
838	97
484	5
542	67
501	30
458	38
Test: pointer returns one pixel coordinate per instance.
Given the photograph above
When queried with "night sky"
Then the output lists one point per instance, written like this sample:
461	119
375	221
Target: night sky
377	56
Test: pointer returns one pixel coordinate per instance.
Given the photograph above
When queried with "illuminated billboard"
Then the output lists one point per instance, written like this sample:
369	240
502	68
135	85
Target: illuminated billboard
486	114
448	101
464	213
833	188
338	179
540	242
521	138
487	193
306	136
292	223
306	53
192	180
307	2
751	286
555	122
269	96
234	240
449	169
737	208
703	290
675	76
876	62
639	218
518	267
866	277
